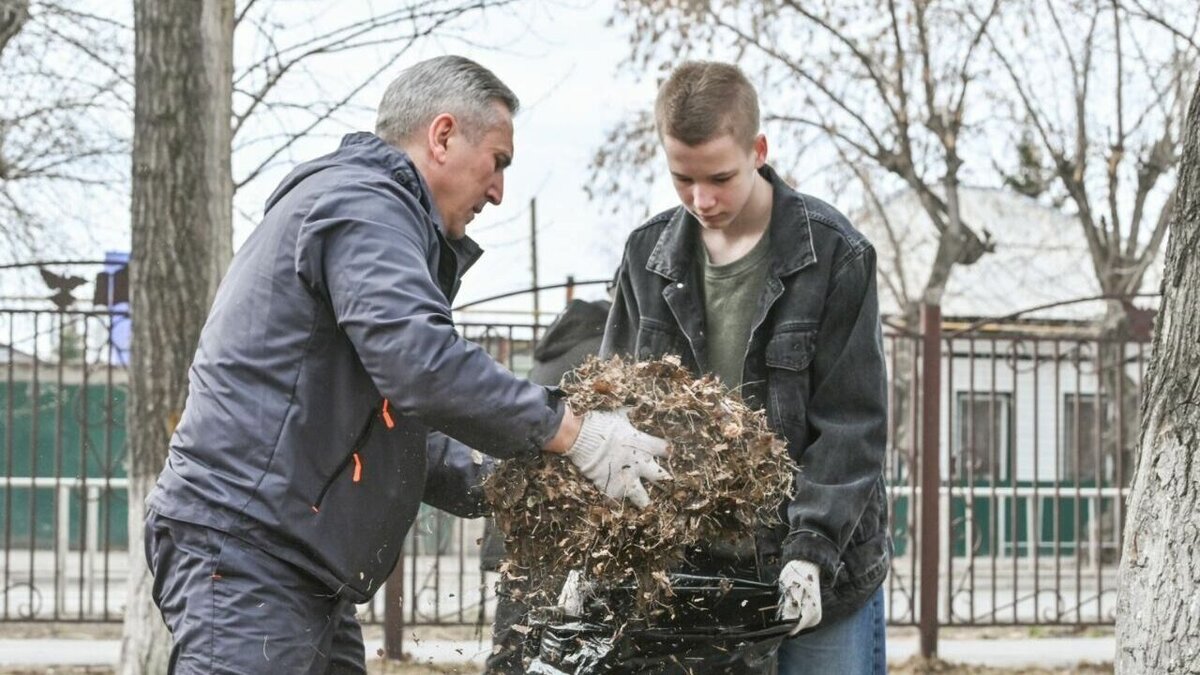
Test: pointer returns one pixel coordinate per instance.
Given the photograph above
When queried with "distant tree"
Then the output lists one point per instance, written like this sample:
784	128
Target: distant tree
64	120
1098	93
889	84
66	115
1158	624
279	93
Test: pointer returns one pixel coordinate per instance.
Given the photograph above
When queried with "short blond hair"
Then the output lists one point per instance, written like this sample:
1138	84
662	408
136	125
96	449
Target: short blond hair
702	100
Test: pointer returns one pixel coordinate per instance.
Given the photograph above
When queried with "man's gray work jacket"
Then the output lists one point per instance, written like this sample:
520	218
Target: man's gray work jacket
328	354
814	361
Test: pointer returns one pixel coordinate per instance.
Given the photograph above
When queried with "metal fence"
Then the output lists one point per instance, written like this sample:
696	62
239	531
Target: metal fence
1035	439
63	489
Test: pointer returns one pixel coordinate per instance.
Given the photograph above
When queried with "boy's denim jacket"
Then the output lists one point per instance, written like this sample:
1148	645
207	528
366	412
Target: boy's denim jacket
815	362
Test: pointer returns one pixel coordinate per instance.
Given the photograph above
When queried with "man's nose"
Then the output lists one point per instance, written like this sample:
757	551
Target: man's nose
495	191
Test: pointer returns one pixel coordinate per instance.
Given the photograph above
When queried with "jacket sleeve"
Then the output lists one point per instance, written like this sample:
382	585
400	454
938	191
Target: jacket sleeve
453	479
620	331
365	248
847	416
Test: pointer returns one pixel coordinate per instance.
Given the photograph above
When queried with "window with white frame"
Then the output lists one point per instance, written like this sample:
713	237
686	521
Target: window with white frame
1080	456
982	437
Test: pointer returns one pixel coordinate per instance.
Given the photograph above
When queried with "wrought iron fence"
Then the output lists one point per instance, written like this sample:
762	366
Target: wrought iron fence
1036	438
63	488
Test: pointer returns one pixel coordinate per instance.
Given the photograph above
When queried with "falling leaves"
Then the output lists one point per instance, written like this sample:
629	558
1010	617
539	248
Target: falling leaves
730	475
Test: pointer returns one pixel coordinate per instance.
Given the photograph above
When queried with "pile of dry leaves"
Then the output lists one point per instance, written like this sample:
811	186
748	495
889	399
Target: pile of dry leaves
730	473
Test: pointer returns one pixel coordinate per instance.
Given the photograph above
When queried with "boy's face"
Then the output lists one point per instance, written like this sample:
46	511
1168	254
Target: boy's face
714	179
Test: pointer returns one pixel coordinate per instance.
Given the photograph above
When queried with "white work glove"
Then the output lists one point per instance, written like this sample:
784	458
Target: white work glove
616	457
800	594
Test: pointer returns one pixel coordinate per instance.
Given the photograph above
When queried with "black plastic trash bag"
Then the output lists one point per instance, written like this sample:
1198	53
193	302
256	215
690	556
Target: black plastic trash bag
720	625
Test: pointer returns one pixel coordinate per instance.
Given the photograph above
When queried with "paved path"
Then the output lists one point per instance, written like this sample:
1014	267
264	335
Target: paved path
1048	652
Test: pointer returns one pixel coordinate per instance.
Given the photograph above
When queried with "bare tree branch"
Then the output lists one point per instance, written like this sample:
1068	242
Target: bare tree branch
243	13
1096	37
13	15
106	64
1158	19
802	73
868	63
896	281
438	22
976	40
1116	149
293	137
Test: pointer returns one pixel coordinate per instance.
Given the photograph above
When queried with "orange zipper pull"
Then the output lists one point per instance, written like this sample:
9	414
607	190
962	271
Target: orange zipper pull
357	468
387	416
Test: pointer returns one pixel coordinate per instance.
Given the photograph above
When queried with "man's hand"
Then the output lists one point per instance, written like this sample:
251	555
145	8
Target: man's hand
800	594
616	457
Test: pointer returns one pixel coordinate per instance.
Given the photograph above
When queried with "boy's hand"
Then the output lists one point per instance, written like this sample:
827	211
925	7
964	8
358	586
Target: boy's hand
800	594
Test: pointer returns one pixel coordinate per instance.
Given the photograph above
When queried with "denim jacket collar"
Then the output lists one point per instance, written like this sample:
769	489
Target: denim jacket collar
791	236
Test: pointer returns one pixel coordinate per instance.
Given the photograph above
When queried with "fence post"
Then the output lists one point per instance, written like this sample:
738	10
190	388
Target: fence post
931	376
393	613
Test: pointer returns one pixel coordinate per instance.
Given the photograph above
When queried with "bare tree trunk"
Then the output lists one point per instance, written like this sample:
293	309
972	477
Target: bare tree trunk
182	241
1158	600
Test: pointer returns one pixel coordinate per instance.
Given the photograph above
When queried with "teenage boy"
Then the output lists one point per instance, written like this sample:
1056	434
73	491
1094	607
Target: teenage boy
774	292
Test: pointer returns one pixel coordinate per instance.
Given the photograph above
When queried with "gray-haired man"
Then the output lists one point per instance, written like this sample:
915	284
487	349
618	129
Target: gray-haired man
328	355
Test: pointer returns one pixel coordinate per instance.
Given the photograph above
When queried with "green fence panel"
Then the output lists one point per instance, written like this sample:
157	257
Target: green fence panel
96	452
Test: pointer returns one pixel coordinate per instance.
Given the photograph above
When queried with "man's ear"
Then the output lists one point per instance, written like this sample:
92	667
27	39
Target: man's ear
440	130
760	150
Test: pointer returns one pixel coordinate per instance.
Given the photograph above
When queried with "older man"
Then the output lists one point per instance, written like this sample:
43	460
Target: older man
329	354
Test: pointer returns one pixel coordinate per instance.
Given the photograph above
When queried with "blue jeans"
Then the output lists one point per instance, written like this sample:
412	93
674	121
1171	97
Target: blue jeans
853	645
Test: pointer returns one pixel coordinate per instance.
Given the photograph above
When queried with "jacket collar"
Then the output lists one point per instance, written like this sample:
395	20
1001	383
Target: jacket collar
790	232
466	250
400	166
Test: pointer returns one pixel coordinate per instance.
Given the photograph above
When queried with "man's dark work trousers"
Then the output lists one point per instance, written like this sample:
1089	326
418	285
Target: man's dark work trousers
233	608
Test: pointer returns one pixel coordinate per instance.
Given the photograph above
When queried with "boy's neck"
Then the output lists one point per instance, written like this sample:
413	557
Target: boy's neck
731	243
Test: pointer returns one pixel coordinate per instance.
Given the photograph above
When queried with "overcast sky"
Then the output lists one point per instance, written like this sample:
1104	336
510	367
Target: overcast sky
565	65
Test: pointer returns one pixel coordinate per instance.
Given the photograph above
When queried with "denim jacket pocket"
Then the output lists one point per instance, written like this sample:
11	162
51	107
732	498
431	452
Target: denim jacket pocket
655	340
788	357
792	350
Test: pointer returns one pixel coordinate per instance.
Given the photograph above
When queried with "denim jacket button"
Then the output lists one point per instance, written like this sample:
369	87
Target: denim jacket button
679	285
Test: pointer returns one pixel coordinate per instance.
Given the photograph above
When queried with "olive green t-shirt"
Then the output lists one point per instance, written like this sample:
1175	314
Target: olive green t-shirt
731	295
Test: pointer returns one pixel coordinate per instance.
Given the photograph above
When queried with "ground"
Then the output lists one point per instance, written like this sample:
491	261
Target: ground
916	666
378	666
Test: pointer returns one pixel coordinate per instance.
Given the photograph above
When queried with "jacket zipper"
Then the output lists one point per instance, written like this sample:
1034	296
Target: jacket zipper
351	457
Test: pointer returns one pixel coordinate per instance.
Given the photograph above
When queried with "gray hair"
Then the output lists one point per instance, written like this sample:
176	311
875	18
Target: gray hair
443	84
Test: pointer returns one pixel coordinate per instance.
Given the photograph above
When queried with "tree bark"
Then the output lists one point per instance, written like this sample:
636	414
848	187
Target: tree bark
1158	599
182	241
